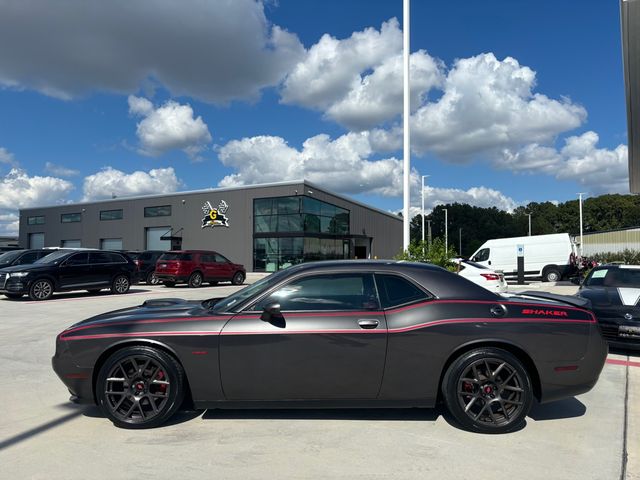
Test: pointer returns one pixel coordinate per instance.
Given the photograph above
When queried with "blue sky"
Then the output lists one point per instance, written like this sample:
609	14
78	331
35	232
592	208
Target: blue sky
515	101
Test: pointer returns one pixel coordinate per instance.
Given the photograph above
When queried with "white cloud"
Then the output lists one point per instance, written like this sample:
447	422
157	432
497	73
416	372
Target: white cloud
169	127
109	182
216	50
599	170
19	190
9	222
343	164
489	105
357	81
60	170
7	157
475	196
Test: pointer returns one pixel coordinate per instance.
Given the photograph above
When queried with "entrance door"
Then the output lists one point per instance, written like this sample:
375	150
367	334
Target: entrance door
360	252
328	342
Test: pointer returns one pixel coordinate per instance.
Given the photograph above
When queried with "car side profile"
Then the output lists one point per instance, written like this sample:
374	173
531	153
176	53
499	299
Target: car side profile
337	334
67	270
195	267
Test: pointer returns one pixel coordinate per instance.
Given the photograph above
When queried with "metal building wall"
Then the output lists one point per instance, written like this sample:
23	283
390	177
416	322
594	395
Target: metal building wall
611	242
235	242
630	20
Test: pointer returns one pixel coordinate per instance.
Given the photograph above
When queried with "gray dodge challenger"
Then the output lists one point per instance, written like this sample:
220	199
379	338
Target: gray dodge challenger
337	334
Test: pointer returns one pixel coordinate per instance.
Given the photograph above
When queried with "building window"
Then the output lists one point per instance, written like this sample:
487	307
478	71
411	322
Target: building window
299	214
161	211
70	217
110	244
70	244
38	220
111	214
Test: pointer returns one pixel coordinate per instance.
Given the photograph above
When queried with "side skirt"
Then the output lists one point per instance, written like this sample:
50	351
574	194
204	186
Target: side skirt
319	404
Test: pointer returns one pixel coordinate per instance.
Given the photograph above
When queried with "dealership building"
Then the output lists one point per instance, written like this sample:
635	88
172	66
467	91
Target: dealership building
265	227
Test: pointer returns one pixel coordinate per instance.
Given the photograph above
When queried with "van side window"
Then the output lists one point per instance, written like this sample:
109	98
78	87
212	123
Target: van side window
482	255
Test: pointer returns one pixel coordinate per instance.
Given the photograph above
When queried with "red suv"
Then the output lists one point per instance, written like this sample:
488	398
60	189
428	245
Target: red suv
195	267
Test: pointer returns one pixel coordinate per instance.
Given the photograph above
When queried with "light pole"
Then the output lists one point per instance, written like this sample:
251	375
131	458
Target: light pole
529	215
406	113
423	177
580	199
446	231
460	241
429	232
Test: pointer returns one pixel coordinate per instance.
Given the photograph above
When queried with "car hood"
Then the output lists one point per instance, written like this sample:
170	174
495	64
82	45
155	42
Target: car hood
612	301
33	267
173	308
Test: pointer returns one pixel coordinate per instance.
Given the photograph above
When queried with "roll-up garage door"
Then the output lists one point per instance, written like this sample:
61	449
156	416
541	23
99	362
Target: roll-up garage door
153	235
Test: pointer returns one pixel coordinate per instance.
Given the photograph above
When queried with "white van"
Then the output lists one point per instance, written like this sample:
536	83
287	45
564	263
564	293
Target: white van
545	256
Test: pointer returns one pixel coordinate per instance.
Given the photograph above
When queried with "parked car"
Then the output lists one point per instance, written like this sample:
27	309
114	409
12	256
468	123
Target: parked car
337	334
146	263
66	270
614	291
481	275
195	267
550	257
22	257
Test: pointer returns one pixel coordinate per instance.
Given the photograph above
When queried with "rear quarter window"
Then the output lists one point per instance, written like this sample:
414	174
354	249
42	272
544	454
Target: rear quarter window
395	291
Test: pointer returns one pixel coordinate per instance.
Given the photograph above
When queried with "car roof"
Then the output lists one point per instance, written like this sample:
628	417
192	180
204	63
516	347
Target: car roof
363	265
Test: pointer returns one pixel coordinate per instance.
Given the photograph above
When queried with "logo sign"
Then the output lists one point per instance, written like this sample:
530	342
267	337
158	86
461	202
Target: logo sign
628	316
521	250
215	217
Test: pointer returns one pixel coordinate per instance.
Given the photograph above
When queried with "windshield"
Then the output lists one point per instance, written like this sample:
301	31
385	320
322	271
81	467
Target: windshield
474	264
8	257
53	257
174	256
614	277
240	296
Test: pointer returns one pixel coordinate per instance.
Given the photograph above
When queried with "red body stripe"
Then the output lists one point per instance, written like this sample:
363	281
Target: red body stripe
336	331
626	363
151	320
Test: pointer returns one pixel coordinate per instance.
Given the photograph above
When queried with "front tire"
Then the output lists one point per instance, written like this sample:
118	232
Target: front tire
488	390
120	285
140	387
41	290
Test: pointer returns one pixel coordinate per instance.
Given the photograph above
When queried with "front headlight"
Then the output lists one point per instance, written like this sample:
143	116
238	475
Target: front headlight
18	274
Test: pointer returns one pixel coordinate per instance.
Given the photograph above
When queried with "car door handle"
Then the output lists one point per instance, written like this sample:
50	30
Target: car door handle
368	323
498	310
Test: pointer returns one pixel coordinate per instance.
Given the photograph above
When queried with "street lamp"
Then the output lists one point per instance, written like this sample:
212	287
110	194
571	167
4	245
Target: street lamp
423	177
446	231
580	201
406	114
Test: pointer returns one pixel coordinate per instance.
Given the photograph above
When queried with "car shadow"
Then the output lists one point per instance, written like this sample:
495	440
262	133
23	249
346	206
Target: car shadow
625	351
74	295
567	408
367	414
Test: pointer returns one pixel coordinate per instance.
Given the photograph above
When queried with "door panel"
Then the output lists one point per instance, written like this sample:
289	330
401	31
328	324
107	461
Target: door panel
312	354
74	272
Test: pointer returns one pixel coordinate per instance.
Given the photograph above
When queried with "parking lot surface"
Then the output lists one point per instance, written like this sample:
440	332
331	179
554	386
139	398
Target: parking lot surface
43	435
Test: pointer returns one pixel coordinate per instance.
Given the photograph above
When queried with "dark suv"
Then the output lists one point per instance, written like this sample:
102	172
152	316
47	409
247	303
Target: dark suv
65	270
22	257
146	263
196	267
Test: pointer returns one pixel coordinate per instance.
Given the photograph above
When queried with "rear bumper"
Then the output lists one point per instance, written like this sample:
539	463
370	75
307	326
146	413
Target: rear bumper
165	277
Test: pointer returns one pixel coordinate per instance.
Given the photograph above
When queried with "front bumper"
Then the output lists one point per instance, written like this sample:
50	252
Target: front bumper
15	285
620	332
78	380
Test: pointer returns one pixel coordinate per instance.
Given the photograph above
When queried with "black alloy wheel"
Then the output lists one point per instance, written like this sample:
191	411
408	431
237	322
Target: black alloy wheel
238	278
195	280
13	296
140	387
152	279
41	289
120	284
488	390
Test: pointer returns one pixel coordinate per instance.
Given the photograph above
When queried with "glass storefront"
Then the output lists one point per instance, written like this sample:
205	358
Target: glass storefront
291	230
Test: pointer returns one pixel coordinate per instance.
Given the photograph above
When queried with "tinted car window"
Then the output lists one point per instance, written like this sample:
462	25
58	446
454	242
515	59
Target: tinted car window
396	291
53	257
220	259
8	257
176	256
482	255
205	258
115	257
99	257
28	258
614	277
145	256
78	259
326	292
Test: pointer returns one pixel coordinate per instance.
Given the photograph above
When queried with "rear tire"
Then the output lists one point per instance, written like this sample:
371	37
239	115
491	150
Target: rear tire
140	387
120	285
195	280
551	275
152	279
238	278
488	390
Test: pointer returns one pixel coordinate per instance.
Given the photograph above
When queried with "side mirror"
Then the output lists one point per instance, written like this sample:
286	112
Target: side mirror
270	310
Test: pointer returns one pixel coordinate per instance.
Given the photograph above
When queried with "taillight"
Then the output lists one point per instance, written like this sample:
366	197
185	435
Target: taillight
490	276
